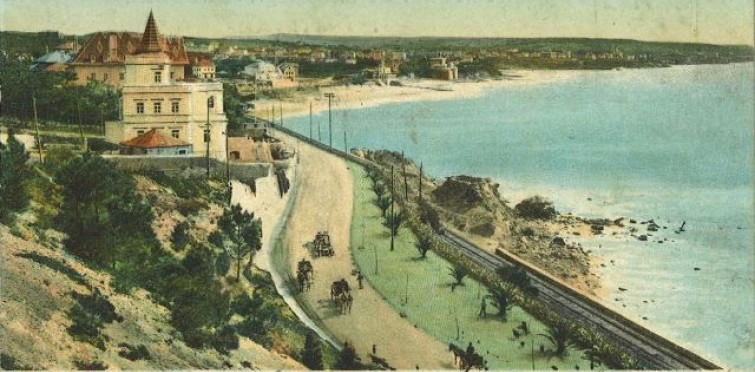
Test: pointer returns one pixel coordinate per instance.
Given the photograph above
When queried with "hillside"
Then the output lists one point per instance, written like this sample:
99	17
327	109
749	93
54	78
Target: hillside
127	277
39	289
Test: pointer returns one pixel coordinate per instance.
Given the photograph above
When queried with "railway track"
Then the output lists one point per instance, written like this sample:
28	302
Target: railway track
651	350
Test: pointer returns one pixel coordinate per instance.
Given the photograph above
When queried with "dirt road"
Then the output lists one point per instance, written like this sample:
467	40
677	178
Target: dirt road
325	202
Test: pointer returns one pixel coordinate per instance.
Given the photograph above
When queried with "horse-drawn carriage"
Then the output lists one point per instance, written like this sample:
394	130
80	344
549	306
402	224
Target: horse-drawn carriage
322	246
340	293
305	274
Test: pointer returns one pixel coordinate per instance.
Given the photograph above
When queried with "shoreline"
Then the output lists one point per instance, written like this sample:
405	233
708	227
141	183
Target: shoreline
350	97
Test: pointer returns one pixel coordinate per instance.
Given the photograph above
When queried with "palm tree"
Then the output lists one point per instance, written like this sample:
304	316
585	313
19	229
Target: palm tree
423	245
394	221
383	202
559	337
458	272
500	301
379	189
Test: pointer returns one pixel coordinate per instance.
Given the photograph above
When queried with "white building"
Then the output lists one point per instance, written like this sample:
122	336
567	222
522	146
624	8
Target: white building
262	72
181	110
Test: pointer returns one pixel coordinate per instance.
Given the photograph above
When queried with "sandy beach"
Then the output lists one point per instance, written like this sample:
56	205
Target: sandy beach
411	90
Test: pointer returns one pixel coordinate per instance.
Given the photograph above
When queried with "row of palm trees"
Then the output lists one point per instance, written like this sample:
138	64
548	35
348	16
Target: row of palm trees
512	280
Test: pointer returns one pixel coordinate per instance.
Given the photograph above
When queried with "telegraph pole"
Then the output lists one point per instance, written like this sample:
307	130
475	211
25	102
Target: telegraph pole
207	136
393	214
310	120
330	118
36	127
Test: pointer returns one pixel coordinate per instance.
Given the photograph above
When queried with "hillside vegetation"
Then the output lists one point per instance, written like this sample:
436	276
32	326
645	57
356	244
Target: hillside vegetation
107	269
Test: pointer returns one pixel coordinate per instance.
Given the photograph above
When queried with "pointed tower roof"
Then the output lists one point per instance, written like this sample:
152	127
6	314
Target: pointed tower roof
150	40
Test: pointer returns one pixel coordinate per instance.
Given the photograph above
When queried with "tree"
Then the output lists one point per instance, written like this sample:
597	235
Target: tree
348	359
423	244
312	354
180	236
500	301
379	189
383	202
13	176
536	208
106	220
242	232
394	222
458	272
199	310
559	337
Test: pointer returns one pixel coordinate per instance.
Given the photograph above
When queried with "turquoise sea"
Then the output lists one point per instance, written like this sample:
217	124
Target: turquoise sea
672	144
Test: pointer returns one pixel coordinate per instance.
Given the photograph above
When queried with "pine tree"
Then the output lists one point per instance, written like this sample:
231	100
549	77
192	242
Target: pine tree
13	176
312	354
348	359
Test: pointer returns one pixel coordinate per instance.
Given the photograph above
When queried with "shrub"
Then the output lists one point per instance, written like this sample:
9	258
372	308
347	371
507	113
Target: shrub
9	363
225	340
536	208
134	352
180	236
91	365
312	353
222	264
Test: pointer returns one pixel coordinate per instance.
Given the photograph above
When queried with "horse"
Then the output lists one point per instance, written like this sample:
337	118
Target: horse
303	280
342	302
305	267
459	353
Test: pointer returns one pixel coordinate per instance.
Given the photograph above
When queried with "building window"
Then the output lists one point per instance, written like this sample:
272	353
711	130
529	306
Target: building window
211	102
105	77
158	76
140	107
157	107
174	133
93	76
174	106
207	135
171	75
139	132
121	75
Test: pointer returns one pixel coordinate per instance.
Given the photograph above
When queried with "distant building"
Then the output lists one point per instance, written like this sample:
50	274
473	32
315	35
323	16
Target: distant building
442	70
55	61
262	72
154	102
102	58
289	71
200	66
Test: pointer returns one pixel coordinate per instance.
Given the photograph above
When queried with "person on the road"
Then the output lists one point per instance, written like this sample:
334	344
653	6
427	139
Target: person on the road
360	277
483	309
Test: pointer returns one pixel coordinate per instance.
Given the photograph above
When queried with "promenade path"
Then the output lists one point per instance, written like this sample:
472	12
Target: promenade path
324	202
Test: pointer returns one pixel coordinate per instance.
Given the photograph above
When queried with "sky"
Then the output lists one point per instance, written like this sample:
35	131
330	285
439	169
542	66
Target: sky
705	21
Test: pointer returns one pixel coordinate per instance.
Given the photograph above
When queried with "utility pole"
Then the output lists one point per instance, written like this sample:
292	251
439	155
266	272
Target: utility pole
420	182
310	120
81	132
345	144
207	136
330	118
393	214
406	183
36	127
281	109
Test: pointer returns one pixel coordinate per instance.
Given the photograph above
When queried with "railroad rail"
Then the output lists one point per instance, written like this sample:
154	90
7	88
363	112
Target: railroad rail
650	349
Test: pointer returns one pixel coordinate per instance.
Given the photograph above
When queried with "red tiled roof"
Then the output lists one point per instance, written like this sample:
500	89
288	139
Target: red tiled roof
153	139
97	50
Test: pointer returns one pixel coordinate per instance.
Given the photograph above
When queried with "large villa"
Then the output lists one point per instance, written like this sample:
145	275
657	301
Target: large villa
154	104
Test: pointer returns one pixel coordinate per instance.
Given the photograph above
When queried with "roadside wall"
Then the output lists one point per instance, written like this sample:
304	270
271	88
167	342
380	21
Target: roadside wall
244	172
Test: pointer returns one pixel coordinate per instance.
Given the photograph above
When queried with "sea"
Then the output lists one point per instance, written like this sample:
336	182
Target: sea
673	145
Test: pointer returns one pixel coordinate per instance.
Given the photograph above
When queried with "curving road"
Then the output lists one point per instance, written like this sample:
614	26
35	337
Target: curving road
652	351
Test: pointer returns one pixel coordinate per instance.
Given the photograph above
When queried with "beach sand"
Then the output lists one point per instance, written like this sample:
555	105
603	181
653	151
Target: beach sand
363	96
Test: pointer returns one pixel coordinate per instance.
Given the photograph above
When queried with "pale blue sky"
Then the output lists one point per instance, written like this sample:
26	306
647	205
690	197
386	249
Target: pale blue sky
708	21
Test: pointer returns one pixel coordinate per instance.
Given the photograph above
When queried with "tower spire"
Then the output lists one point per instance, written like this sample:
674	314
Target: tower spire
150	40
